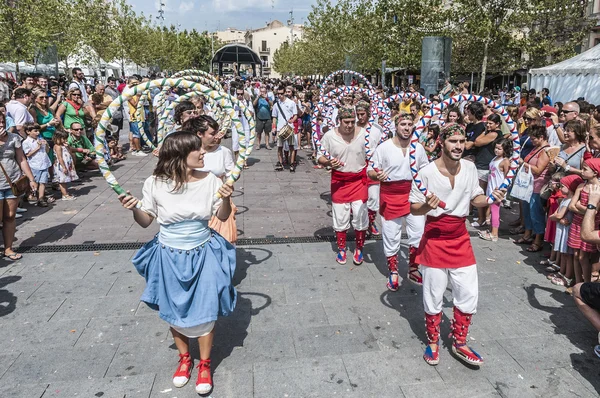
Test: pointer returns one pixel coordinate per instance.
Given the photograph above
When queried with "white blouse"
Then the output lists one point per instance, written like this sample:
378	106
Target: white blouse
219	162
194	201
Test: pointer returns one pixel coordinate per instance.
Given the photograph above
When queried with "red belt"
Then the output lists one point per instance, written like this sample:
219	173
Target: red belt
349	187
445	243
393	199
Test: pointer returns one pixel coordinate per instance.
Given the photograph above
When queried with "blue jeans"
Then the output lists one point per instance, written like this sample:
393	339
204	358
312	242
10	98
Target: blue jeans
534	215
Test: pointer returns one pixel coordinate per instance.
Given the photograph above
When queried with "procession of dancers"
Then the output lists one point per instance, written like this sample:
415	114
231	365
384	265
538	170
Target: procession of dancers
377	166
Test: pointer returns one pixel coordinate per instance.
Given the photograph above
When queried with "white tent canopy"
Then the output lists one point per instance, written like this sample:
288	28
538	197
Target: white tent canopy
573	78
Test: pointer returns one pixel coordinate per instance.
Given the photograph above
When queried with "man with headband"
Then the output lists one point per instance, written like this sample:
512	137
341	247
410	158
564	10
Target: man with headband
375	133
445	251
349	193
391	166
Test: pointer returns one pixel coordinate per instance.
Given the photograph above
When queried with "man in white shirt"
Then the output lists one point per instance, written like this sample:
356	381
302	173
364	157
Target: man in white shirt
79	83
349	193
375	134
445	252
241	96
17	109
284	113
391	166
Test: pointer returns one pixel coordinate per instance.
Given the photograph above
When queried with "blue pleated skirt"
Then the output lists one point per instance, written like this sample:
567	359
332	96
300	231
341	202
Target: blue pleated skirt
188	287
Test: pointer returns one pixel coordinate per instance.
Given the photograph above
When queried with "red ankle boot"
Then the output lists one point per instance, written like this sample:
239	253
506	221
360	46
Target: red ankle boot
341	243
414	275
460	329
392	263
432	328
360	243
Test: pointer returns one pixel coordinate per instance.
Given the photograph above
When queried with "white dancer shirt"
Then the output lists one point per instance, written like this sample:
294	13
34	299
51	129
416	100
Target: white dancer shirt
352	154
219	162
390	158
458	199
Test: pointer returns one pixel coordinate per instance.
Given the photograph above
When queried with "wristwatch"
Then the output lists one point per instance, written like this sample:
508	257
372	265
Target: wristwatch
591	207
556	126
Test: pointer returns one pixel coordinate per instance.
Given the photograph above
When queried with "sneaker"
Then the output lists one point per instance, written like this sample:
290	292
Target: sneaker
18	215
278	166
341	257
292	168
68	197
21	210
358	257
141	154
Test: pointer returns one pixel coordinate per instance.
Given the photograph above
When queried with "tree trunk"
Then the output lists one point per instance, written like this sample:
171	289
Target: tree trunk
484	64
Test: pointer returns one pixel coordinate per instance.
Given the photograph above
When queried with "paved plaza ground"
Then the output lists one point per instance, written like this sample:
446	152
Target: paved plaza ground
72	324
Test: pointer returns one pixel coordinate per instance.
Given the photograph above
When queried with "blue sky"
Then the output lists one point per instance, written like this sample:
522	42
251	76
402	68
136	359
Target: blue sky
220	14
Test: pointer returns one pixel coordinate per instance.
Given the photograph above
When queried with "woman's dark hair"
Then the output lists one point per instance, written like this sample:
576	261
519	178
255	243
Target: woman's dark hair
578	128
182	107
538	131
507	147
476	109
435	129
455	109
494	117
172	159
200	124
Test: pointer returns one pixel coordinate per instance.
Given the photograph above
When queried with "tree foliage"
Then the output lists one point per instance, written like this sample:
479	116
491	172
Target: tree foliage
499	36
111	28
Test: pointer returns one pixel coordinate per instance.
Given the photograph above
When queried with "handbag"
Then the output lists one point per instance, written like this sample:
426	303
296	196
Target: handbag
19	186
287	131
522	188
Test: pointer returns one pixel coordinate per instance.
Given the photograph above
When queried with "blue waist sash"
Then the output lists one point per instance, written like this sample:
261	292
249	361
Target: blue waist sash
184	235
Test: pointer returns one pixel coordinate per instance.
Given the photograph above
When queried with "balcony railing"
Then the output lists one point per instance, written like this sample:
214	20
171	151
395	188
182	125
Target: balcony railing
265	50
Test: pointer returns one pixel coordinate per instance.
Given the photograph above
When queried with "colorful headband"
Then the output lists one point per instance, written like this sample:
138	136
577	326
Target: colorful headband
362	104
346	112
452	129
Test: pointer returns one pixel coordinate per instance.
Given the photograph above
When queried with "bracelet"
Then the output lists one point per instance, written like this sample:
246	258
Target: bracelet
567	168
557	126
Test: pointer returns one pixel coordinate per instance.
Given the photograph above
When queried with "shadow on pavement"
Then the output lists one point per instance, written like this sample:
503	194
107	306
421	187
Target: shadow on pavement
8	301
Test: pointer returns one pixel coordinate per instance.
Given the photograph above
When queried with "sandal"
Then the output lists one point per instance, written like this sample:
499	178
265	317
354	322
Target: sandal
415	276
561	280
487	235
50	199
13	256
391	285
552	268
278	166
534	248
523	241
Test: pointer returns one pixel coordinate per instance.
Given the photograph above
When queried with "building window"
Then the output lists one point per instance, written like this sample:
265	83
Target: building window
264	45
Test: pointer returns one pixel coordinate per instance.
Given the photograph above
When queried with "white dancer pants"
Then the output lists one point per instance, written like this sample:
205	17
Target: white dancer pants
465	290
341	216
391	232
373	201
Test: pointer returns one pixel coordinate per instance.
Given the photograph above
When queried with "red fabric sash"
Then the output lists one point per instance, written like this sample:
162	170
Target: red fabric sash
445	243
371	182
349	187
393	199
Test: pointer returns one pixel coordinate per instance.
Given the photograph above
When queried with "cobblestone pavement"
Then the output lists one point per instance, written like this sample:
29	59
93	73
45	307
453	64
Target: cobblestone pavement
72	323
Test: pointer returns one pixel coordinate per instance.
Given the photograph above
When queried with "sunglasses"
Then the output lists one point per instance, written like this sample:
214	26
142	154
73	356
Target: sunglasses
76	129
565	112
75	95
529	119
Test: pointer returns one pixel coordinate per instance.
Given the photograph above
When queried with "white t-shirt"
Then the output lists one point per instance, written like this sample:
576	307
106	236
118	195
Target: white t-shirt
351	154
289	110
40	160
194	201
19	113
240	114
458	199
390	158
219	162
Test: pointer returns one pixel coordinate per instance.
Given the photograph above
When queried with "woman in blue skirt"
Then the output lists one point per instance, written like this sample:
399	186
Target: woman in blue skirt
188	267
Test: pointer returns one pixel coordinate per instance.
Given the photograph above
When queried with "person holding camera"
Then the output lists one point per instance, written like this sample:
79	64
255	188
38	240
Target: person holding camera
85	155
